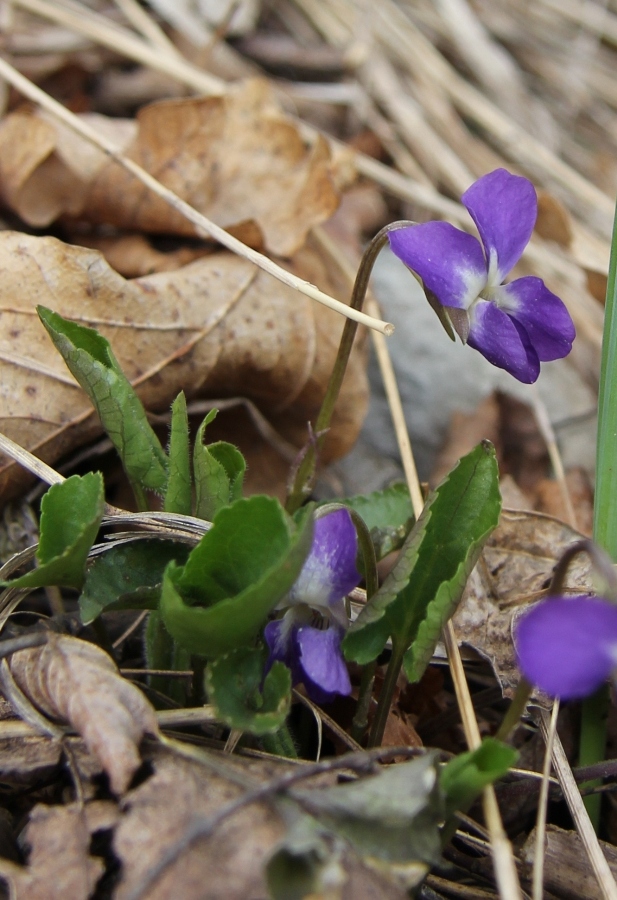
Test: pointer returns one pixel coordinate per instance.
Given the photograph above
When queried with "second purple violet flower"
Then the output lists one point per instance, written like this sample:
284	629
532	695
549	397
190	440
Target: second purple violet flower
516	326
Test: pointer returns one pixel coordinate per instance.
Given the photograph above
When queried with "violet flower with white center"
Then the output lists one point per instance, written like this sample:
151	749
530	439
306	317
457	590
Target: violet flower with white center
515	326
567	646
308	637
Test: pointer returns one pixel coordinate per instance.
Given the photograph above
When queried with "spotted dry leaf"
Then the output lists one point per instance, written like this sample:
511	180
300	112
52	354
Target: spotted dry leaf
238	159
514	570
217	327
59	863
73	681
60	866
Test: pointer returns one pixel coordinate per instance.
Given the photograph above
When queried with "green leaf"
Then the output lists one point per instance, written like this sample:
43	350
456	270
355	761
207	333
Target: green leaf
128	576
178	496
394	815
465	777
238	572
303	863
243	698
388	515
219	473
425	586
89	357
71	514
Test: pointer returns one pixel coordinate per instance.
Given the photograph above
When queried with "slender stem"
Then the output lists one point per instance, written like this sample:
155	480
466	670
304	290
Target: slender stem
385	696
280	743
516	709
305	474
365	695
592	745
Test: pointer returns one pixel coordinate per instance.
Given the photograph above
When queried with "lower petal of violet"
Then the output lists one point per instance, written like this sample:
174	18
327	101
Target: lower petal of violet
542	314
324	672
567	647
496	336
313	656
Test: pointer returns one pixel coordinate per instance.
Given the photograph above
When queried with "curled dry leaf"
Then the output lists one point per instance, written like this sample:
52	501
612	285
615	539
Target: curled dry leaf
514	570
76	682
238	159
217	327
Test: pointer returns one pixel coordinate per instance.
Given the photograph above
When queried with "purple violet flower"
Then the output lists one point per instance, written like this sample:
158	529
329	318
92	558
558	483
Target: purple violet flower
567	646
515	326
308	637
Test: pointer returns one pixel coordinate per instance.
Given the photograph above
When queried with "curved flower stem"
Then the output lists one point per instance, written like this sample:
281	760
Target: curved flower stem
385	696
305	474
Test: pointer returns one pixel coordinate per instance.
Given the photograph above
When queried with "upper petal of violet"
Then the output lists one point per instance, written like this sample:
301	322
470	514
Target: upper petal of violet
320	659
450	263
504	208
329	572
496	335
568	646
542	314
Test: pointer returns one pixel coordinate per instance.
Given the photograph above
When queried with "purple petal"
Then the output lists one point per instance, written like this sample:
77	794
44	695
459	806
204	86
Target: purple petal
324	672
502	341
450	263
504	208
329	572
568	647
542	314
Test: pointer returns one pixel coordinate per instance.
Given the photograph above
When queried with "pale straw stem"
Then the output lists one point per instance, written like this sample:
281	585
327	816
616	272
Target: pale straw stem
579	813
538	855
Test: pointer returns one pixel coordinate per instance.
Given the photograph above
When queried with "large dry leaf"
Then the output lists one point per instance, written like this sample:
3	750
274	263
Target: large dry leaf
60	866
514	570
76	682
238	159
227	865
217	327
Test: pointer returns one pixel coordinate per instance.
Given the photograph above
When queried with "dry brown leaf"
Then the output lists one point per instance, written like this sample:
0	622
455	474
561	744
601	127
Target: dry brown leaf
76	682
60	866
227	865
514	570
237	159
554	222
549	499
216	328
567	871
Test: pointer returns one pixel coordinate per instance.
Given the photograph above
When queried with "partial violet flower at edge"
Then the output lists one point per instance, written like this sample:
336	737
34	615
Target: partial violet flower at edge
516	325
308	637
567	646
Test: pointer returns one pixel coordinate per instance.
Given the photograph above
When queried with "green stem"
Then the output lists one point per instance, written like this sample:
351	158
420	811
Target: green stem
595	709
280	743
515	710
365	694
385	697
592	746
305	474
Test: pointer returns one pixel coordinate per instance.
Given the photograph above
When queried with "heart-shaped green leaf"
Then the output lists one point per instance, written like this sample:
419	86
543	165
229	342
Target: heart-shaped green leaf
71	514
243	698
235	576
